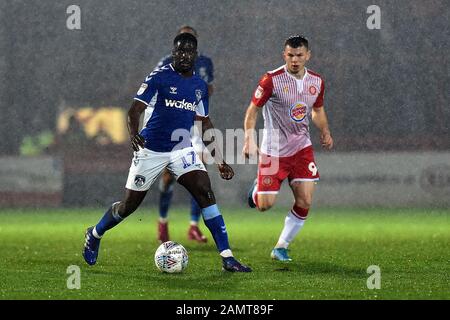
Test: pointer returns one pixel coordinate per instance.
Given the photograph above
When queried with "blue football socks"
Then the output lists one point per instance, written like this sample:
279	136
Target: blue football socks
164	202
214	222
109	220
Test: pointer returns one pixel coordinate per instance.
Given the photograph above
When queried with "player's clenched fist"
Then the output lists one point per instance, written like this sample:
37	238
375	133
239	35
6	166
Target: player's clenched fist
326	140
226	172
137	141
250	149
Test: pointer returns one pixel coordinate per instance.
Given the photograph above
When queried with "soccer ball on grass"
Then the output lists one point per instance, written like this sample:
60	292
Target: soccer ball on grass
171	257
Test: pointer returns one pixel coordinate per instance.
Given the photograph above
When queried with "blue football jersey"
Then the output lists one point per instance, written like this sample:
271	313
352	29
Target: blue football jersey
203	67
172	102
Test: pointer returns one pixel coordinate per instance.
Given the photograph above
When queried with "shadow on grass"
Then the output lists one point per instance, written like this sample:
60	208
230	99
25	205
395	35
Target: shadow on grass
220	281
187	280
317	267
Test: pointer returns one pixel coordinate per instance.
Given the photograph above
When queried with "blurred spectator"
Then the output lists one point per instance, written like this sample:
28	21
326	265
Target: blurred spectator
74	138
37	145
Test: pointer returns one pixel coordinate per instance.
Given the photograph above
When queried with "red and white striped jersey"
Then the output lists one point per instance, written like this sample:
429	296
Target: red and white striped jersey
288	103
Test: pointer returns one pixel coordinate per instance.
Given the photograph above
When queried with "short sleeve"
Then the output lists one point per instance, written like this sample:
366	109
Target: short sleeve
148	90
264	91
202	109
319	100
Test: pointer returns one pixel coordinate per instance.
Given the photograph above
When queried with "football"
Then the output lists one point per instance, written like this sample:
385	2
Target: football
171	257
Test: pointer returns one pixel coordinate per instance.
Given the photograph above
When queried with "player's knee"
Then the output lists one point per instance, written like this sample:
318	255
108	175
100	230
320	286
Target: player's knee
204	195
304	202
126	208
264	205
263	208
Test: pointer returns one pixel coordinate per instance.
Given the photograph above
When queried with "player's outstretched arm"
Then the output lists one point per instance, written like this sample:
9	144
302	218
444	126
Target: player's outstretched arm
319	118
250	148
134	115
208	137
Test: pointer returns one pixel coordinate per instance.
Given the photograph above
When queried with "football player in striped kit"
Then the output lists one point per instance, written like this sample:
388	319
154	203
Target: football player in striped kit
288	96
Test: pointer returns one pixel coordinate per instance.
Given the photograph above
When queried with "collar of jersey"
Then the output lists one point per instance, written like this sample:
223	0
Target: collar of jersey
290	75
173	69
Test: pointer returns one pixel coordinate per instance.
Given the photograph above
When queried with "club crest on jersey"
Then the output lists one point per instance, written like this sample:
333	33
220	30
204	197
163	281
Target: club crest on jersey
142	89
259	92
298	112
267	181
173	90
313	90
198	94
139	181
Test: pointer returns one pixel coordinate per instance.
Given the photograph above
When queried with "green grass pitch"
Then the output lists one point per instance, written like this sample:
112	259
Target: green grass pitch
331	256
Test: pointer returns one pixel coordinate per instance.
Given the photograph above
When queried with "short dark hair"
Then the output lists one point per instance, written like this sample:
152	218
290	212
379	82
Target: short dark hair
187	27
185	37
297	41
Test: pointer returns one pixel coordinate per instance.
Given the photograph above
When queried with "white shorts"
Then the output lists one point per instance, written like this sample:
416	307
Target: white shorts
200	148
148	165
197	143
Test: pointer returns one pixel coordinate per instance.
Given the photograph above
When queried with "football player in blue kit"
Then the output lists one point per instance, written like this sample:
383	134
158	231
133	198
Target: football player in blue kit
172	98
204	68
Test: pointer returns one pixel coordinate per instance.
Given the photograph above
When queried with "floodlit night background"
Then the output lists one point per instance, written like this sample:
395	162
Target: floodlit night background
387	92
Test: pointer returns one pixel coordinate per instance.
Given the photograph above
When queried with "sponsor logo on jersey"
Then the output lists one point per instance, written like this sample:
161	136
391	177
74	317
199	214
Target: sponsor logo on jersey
142	89
298	112
173	90
183	104
313	90
259	92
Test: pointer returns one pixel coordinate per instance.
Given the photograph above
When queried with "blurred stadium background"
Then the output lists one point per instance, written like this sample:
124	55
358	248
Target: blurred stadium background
384	195
65	93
